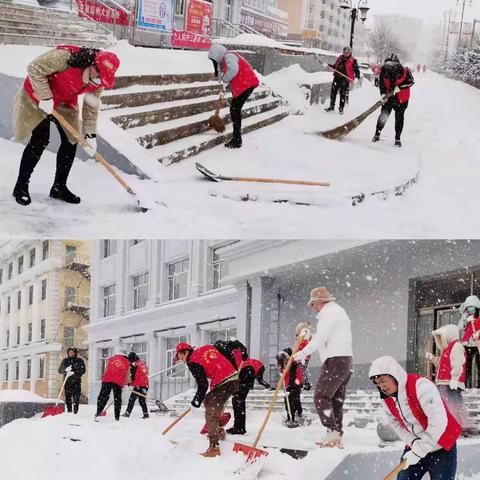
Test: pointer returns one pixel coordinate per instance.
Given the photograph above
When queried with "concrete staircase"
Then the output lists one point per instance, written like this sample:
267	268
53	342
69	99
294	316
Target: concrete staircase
22	24
360	405
168	114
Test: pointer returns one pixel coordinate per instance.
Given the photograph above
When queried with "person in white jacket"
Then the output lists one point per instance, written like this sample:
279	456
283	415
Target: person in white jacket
333	342
418	415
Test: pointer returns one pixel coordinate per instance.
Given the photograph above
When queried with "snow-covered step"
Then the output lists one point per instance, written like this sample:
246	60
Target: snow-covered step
49	24
166	79
80	36
48	41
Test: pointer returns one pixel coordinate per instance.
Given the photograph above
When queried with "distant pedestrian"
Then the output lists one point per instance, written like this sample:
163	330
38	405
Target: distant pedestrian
73	367
424	68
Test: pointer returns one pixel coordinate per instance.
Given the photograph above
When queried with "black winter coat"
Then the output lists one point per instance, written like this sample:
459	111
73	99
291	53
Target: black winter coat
78	368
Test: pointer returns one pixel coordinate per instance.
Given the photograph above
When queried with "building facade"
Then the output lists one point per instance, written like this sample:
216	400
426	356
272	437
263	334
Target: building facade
265	17
44	303
149	295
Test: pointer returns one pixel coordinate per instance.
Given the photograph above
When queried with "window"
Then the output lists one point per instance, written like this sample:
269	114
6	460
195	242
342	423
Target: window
42	328
18	335
179	7
1	276
19	300
7	334
10	270
70	296
216	265
44	289
30	294
32	257
109	296
68	336
5	372
225	334
136	241
309	24
30	332
17	370
104	356
170	353
20	265
109	248
140	291
322	14
311	8
29	369
140	348
45	249
320	28
41	367
9	304
70	252
178	279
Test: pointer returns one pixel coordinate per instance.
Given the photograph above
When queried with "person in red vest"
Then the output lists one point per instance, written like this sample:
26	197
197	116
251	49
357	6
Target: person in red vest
293	383
424	68
394	77
419	68
140	384
347	65
232	69
55	80
471	325
213	373
117	374
451	367
419	416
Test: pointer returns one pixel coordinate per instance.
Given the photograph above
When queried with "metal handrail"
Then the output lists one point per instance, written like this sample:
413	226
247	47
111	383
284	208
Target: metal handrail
167	385
161	372
75	257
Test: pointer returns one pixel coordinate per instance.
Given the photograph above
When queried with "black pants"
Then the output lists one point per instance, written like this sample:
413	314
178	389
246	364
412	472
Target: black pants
35	148
295	402
104	395
73	389
239	408
236	111
342	86
141	400
392	104
472	354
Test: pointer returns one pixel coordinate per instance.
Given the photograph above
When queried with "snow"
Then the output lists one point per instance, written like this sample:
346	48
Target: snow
22	396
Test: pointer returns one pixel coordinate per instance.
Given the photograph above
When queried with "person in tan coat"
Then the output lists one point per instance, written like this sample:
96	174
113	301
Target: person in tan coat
54	81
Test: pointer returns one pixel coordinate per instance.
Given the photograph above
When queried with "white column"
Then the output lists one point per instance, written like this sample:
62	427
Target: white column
54	307
152	359
122	277
11	373
34	373
95	294
195	267
23	316
51	365
194	335
155	273
117	345
23	372
93	368
3	322
242	313
36	311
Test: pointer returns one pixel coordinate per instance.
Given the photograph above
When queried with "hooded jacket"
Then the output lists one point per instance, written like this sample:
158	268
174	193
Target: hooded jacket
424	422
78	367
468	324
333	337
452	365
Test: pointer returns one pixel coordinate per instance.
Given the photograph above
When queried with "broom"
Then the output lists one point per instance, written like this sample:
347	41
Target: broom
215	121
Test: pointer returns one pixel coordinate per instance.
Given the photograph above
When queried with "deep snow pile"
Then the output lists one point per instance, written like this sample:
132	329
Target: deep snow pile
22	396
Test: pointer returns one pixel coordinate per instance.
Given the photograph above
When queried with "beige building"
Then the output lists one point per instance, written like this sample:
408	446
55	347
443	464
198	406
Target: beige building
44	303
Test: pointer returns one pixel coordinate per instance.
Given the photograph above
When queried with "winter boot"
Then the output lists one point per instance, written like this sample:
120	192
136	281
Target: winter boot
126	414
21	194
75	408
376	137
340	111
212	451
398	142
292	424
146	415
236	431
235	142
307	386
331	108
61	192
332	439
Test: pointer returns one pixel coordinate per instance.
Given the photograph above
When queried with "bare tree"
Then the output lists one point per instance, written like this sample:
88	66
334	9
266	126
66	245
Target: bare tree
383	42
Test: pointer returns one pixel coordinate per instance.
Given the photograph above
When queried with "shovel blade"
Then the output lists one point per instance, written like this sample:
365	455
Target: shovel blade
252	454
205	171
52	411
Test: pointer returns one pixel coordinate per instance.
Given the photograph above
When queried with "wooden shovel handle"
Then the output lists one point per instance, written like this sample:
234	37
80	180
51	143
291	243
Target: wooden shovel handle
66	125
139	394
275	394
286	182
339	73
396	471
181	417
289	408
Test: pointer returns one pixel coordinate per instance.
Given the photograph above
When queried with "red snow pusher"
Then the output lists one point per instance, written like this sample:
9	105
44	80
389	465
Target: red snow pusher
251	451
224	419
103	413
56	409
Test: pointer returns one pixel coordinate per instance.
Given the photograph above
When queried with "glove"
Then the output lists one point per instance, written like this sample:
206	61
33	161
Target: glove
69	374
46	106
300	356
306	333
68	369
91	150
411	459
453	385
195	403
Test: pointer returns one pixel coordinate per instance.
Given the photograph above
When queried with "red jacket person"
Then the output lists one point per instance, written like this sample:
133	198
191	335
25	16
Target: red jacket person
54	81
216	375
140	383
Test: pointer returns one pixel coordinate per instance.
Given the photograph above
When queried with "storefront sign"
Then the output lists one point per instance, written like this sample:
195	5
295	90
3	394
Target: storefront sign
199	17
157	14
100	13
185	39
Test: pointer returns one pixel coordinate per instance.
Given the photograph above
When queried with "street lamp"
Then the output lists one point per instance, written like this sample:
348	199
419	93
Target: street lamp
461	21
354	13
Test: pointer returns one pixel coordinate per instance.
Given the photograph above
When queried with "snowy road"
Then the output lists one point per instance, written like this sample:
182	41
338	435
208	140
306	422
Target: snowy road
440	139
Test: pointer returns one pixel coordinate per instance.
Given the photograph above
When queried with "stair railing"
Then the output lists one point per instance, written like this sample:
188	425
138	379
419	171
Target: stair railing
171	381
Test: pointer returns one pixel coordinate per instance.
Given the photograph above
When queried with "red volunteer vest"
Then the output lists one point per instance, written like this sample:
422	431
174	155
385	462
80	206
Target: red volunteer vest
404	94
141	375
255	364
245	77
298	376
216	366
117	370
445	365
451	433
472	327
237	355
348	67
66	86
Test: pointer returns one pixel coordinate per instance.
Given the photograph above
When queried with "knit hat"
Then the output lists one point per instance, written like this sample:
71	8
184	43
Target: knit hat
107	64
320	295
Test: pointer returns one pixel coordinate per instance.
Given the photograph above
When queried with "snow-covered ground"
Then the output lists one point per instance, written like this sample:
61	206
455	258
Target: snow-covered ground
440	141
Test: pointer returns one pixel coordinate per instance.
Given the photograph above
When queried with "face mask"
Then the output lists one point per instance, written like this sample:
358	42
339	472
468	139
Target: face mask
471	310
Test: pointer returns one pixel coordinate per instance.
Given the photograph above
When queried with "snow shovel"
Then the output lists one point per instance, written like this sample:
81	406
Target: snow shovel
343	130
66	125
57	409
396	471
325	64
218	178
252	452
215	121
224	419
103	413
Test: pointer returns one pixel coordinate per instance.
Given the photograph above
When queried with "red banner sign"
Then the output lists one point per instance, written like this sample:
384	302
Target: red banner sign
199	17
100	13
181	38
